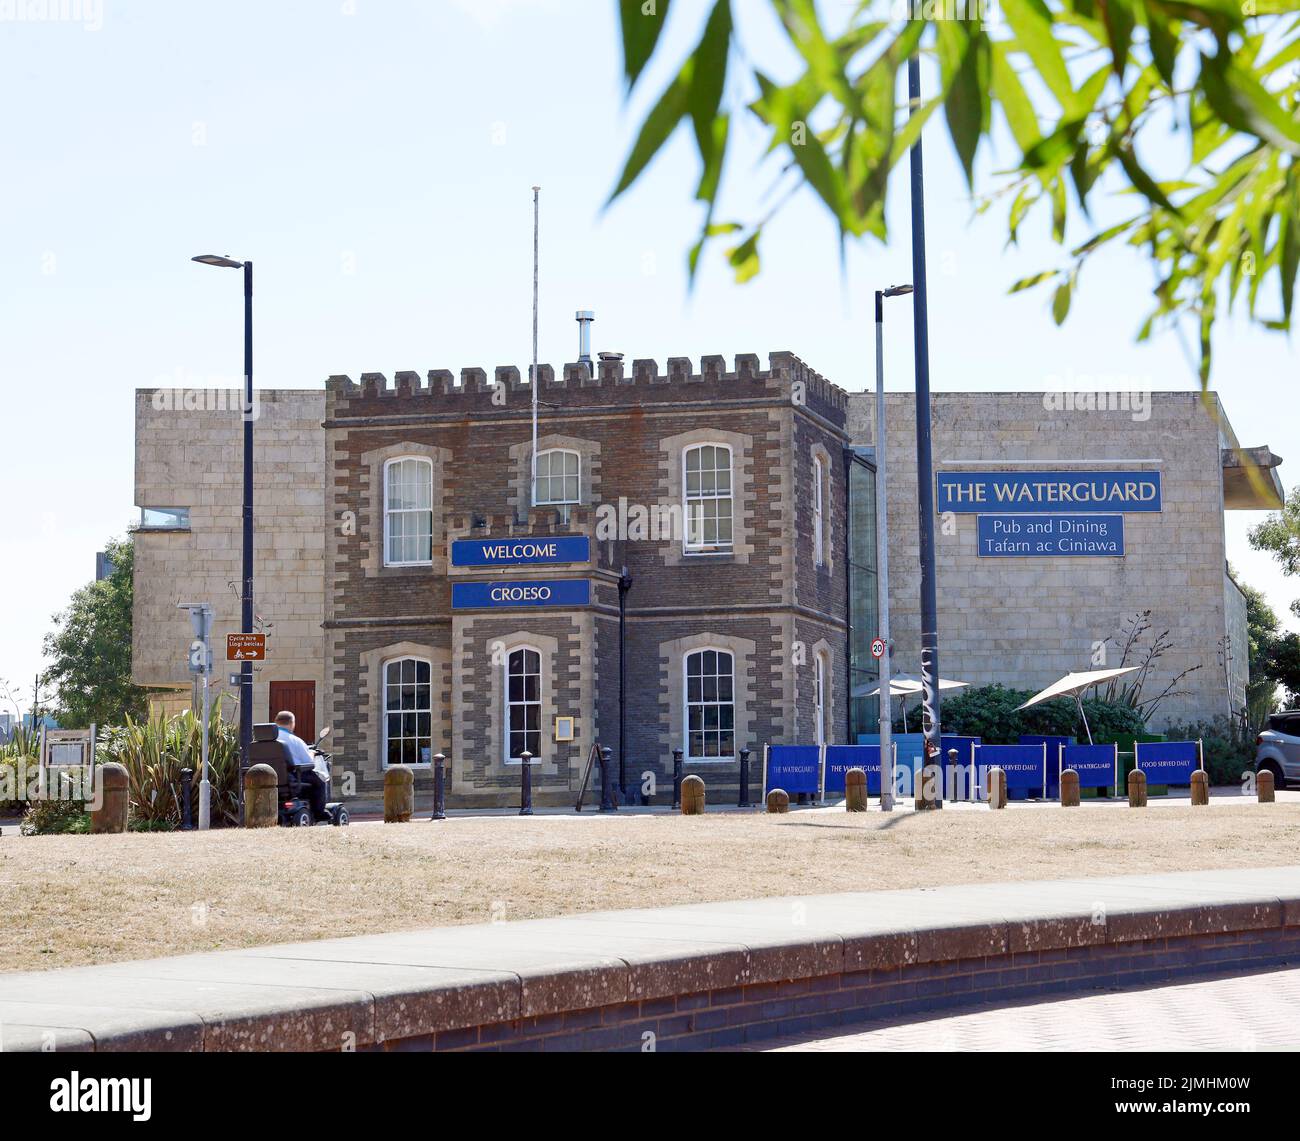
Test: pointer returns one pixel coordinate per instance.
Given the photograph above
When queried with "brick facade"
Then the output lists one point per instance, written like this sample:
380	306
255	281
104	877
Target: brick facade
768	600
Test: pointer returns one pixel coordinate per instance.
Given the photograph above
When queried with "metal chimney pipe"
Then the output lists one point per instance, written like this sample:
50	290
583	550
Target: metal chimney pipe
585	317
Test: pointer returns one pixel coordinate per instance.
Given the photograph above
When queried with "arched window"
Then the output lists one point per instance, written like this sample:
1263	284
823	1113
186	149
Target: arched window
710	706
408	712
523	704
707	491
408	512
819	531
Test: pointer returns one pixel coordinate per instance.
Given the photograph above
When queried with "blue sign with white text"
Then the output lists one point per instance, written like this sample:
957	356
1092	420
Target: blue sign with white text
1048	492
508	594
520	551
1168	762
793	768
841	758
1095	764
1050	536
1025	765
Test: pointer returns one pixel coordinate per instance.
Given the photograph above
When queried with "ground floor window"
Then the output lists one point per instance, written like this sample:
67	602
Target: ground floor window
523	703
710	706
408	711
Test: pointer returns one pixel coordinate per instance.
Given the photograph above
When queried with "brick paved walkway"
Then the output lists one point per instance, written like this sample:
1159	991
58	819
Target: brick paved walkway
1252	1012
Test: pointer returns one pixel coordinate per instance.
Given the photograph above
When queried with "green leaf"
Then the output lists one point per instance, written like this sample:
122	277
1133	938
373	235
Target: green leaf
1035	279
1245	104
642	22
1162	41
1061	301
744	259
1031	24
709	77
1119	17
964	62
1016	105
658	126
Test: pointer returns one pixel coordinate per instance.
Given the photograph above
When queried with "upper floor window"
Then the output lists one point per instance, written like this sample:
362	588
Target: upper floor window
708	498
164	519
819	530
819	698
710	706
408	712
557	478
408	512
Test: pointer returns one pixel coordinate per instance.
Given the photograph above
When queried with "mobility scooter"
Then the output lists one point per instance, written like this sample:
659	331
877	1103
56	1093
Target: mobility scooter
295	804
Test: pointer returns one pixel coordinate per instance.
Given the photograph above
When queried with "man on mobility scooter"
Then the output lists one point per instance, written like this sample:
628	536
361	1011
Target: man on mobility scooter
303	772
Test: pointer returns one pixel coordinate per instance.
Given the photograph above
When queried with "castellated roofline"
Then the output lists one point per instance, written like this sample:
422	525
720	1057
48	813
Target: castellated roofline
785	369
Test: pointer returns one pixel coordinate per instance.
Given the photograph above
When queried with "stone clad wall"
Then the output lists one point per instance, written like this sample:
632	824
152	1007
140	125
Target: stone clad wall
1027	621
192	457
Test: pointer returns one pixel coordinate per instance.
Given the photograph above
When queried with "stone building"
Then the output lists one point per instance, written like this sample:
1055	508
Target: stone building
462	619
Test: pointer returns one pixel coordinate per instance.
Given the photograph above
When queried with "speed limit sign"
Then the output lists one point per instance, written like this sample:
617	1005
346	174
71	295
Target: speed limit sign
878	648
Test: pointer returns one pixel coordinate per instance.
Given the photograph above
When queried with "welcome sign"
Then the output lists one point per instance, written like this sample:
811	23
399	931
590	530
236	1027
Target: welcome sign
1048	492
520	551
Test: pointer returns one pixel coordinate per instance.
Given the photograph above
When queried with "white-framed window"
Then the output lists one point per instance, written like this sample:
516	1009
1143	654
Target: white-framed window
523	704
819	698
408	512
710	703
819	532
707	491
557	477
408	712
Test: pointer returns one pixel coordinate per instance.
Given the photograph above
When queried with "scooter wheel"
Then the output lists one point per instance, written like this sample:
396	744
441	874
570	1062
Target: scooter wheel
303	819
342	819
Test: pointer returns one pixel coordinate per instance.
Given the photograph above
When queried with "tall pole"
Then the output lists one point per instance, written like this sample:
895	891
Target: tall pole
882	569
532	494
246	593
927	795
205	782
624	585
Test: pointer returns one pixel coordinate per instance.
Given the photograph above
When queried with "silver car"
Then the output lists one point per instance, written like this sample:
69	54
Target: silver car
1277	748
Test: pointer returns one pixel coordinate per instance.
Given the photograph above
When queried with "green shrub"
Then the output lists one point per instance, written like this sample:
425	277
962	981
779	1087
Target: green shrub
990	713
61	813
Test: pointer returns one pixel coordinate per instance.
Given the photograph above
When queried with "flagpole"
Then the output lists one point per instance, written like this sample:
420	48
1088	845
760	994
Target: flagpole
533	378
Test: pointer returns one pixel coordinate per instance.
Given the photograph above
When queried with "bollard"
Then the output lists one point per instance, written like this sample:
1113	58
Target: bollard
399	795
855	790
1200	787
1137	789
1069	788
608	802
744	801
261	797
526	784
677	778
114	803
693	796
187	813
439	787
1265	786
778	801
997	779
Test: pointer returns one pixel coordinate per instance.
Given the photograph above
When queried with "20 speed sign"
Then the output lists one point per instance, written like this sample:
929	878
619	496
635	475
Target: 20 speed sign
878	648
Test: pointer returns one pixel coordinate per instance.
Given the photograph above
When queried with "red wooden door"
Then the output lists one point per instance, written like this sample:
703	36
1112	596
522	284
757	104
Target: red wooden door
299	698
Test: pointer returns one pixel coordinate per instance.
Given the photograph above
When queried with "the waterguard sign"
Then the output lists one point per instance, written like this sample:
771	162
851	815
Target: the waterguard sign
841	758
1097	765
511	594
1048	492
1061	536
520	551
793	768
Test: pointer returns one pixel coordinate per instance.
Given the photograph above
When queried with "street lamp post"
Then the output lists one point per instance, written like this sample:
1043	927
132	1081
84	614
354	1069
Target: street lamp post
246	576
927	796
882	555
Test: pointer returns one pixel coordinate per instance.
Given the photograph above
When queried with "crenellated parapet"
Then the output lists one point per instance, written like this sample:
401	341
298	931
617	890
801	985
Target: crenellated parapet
608	382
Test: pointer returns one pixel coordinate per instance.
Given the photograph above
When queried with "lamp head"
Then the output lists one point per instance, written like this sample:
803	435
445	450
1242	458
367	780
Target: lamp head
219	260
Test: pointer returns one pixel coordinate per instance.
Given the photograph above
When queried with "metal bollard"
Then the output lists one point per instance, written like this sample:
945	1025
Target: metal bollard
1200	787
1069	788
439	787
187	811
1137	789
608	803
677	778
526	784
744	780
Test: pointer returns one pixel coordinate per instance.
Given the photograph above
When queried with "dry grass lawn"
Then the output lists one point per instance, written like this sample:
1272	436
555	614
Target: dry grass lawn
75	900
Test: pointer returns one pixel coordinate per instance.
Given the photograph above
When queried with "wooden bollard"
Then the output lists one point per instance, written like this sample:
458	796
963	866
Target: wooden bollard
114	802
997	779
1265	786
1137	789
261	797
778	801
855	790
1069	788
1200	787
693	796
399	795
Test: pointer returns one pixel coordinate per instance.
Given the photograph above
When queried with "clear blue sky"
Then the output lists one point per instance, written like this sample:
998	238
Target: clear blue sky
374	158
